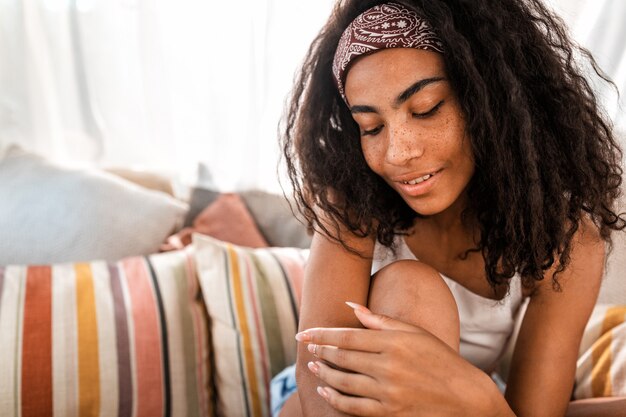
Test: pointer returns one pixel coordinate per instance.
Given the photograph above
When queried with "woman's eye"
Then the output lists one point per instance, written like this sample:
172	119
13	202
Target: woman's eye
429	112
372	132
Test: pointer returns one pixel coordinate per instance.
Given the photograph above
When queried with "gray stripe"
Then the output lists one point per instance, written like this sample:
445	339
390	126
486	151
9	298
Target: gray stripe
125	381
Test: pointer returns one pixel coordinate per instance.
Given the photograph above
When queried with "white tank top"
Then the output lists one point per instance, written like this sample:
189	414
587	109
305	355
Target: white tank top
486	324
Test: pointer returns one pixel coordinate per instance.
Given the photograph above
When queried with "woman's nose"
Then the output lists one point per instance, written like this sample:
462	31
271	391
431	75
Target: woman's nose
403	145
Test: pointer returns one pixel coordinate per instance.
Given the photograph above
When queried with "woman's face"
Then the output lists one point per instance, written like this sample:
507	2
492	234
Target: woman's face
412	127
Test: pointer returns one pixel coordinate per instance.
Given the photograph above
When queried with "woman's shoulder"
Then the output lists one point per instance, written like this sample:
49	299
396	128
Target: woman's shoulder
582	274
334	274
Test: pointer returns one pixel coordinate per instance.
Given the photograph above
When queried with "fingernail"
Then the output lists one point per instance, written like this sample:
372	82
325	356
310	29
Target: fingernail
303	337
313	367
321	391
357	307
311	348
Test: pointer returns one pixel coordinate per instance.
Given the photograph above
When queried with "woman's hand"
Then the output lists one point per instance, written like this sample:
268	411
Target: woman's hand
392	368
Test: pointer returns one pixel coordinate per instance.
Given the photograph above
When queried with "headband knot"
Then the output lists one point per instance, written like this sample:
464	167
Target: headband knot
389	25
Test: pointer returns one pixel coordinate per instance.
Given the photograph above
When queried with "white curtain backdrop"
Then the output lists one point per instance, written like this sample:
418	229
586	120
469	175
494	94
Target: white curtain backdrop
155	84
164	85
601	27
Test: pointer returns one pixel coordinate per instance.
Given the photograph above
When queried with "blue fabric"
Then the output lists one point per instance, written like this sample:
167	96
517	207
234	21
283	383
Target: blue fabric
284	384
500	383
281	388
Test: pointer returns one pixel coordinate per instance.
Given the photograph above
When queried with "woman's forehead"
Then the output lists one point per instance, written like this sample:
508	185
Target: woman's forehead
393	67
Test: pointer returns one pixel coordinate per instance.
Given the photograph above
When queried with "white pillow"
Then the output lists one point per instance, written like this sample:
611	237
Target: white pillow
50	214
613	290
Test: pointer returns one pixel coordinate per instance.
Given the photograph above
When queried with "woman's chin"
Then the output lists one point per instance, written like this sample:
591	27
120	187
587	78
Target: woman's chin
428	206
425	209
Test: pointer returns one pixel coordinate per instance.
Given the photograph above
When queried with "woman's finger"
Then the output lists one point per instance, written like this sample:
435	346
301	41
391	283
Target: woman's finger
352	360
346	338
354	384
356	406
379	321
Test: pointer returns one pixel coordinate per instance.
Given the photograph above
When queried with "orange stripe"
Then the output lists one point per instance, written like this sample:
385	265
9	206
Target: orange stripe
87	335
37	343
147	340
253	388
601	371
260	333
601	385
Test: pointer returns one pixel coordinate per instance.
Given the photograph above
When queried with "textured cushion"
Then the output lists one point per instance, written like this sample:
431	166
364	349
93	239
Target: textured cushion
252	296
108	339
601	369
200	199
275	220
50	214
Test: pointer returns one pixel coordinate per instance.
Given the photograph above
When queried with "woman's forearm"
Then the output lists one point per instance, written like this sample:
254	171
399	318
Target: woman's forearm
598	407
313	405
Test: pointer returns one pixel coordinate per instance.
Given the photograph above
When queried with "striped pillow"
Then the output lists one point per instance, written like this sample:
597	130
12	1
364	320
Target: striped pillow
252	296
112	339
601	368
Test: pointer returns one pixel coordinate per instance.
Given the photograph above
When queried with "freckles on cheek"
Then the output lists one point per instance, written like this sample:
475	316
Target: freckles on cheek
449	134
438	139
371	153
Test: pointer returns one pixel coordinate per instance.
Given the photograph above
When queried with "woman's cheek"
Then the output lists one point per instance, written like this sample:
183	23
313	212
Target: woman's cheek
373	152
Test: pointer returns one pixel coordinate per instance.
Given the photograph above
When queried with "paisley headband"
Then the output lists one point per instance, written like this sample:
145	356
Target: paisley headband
389	25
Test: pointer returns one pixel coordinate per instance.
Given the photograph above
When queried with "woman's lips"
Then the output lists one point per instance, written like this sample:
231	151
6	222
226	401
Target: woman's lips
423	186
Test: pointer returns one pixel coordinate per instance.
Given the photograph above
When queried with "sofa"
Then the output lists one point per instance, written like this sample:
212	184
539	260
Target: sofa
124	293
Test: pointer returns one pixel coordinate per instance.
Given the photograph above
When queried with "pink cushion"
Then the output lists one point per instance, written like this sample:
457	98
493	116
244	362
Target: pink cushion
226	219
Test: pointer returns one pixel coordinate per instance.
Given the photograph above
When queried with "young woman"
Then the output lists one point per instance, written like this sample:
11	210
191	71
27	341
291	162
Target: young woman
452	161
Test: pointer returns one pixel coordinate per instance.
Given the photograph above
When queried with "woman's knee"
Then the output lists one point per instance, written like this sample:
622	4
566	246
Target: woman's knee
415	293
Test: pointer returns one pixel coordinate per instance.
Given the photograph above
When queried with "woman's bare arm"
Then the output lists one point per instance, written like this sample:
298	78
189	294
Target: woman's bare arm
598	407
333	275
544	363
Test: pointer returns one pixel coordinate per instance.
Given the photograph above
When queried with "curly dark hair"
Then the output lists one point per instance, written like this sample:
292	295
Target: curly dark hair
544	151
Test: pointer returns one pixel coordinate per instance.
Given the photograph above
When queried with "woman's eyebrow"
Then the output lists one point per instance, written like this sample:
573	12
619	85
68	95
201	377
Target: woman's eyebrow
363	109
404	96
